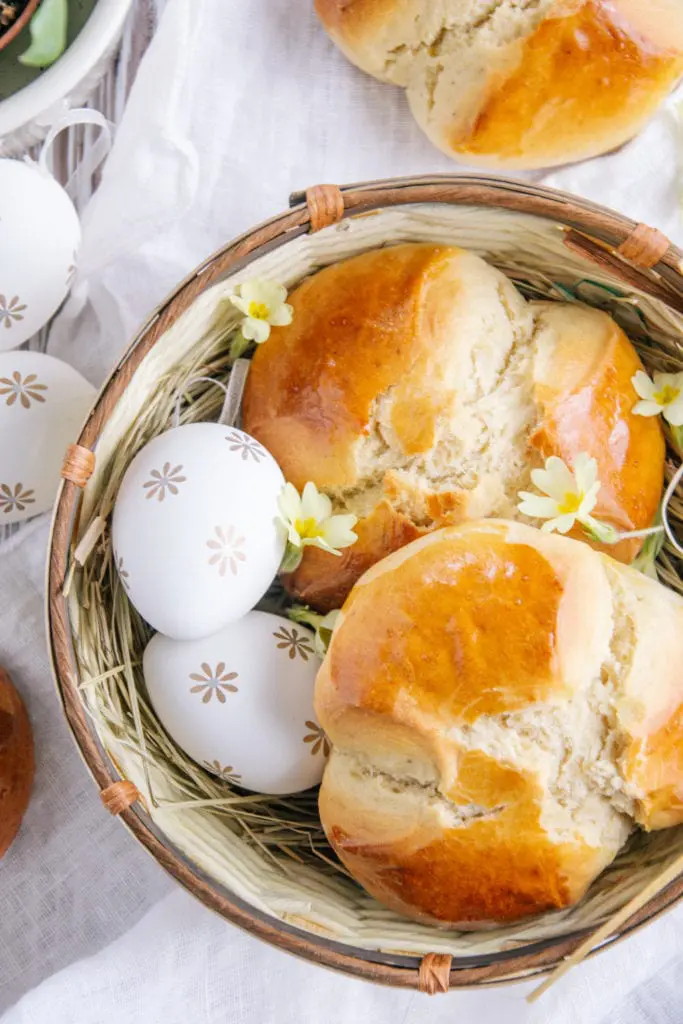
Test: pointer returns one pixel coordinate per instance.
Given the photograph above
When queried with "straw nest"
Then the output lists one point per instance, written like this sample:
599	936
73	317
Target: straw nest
272	851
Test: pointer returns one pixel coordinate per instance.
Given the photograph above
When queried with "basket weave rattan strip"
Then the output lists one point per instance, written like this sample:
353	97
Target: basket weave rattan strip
603	237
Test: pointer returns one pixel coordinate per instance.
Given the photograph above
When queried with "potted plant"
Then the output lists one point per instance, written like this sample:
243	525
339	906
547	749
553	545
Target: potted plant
52	54
47	21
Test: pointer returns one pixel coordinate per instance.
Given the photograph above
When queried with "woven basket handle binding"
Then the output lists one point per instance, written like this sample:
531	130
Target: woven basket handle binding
643	249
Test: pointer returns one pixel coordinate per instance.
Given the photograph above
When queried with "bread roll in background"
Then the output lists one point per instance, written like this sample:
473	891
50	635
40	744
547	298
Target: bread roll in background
507	84
418	388
16	761
503	705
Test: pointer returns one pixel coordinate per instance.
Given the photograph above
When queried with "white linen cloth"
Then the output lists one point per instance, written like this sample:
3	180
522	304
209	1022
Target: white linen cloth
236	104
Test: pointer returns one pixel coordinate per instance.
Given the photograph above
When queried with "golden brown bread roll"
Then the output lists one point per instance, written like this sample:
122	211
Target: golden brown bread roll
417	388
506	84
16	761
502	705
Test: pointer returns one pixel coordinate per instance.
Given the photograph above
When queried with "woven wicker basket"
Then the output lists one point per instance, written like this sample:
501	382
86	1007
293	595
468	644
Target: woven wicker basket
552	245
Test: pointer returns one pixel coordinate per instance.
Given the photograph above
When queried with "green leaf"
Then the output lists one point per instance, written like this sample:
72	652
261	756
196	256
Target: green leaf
603	533
650	551
48	34
565	291
677	438
601	287
292	558
238	345
322	624
325	630
304	615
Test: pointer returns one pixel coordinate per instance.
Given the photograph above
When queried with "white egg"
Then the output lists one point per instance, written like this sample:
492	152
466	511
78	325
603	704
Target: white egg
195	536
39	238
240	702
43	404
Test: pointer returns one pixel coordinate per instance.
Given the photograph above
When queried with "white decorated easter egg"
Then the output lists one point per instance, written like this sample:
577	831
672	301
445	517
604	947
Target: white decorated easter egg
240	702
195	534
39	238
43	405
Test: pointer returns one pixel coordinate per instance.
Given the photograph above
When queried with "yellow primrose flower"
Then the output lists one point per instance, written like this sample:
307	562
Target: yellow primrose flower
263	304
566	498
308	520
663	395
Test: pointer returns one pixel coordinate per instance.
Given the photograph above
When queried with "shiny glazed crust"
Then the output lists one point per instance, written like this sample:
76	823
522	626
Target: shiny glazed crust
517	87
502	705
418	389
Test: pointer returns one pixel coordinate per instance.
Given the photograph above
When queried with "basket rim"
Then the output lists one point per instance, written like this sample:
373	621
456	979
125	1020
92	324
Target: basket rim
587	220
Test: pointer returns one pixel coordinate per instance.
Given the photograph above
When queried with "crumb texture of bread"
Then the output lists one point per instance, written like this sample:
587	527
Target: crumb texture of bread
518	83
504	706
418	388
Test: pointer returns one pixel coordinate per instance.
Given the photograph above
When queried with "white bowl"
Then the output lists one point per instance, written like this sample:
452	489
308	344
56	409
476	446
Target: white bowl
26	117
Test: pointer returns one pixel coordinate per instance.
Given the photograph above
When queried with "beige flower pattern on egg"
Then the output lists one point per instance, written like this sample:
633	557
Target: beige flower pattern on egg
247	447
294	642
16	500
226	550
25	390
124	575
210	682
227	774
11	311
317	737
166	480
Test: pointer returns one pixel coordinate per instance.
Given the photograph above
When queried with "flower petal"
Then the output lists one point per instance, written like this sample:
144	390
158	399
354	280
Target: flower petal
562	524
585	472
673	413
290	532
565	523
289	503
537	506
238	301
556	479
589	501
320	542
255	330
282	316
338	532
315	505
647	408
293	536
250	291
643	386
272	294
668	380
